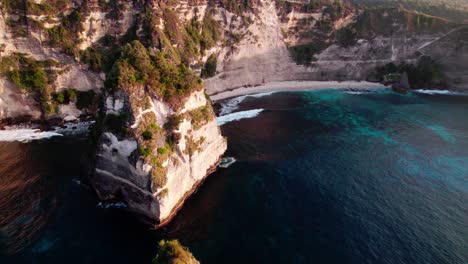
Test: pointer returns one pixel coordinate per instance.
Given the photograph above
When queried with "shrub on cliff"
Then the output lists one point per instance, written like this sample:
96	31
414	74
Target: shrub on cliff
147	135
201	116
172	252
346	36
92	57
85	99
65	35
210	66
210	32
304	54
31	76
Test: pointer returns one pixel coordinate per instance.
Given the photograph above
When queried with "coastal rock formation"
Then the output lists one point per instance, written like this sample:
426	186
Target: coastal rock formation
156	185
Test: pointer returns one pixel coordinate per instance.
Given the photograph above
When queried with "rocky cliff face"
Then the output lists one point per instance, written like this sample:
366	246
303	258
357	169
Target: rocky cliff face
244	45
24	30
331	40
124	63
155	186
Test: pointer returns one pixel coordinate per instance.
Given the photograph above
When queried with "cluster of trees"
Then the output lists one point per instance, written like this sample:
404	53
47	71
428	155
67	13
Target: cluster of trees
154	70
172	252
81	99
426	73
211	64
31	76
304	54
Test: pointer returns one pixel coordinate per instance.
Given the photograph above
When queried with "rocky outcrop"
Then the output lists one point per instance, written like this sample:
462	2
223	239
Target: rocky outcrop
123	174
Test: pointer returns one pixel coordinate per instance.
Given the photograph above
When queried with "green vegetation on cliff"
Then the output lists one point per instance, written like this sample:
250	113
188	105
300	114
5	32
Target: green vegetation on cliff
172	252
155	70
209	70
65	35
304	54
239	6
32	77
426	73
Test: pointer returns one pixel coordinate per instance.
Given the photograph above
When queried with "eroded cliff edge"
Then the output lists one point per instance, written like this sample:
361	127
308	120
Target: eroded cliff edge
163	157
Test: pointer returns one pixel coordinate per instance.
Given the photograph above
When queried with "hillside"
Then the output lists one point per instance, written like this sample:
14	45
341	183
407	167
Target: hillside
454	10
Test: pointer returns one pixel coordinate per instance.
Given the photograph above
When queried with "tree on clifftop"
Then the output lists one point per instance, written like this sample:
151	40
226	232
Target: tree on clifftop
172	252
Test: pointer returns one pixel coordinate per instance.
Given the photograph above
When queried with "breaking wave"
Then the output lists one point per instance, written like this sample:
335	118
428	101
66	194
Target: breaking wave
233	104
354	92
433	92
238	116
30	134
26	135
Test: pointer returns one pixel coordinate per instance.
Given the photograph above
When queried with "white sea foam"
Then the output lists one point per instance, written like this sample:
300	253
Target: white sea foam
29	134
354	92
26	135
73	129
111	205
238	116
233	104
433	92
76	181
226	162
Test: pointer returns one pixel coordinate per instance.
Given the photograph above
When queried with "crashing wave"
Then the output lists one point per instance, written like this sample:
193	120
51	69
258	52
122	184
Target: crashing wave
30	134
238	116
357	91
233	104
226	162
437	92
26	135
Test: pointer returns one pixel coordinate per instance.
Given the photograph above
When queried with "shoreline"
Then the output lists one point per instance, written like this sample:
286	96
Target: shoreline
288	86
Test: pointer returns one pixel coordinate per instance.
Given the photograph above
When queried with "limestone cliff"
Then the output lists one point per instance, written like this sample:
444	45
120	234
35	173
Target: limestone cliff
332	40
126	65
73	45
156	185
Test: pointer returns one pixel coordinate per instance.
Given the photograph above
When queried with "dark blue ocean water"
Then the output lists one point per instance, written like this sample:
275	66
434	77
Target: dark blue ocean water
321	177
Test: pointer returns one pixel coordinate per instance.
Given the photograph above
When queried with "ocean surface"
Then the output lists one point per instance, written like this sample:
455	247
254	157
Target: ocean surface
327	176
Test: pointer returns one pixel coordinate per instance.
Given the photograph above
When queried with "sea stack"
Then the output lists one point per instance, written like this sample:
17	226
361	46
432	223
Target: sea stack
161	155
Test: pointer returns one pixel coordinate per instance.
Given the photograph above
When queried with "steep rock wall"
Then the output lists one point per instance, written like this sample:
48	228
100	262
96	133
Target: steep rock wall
122	174
266	50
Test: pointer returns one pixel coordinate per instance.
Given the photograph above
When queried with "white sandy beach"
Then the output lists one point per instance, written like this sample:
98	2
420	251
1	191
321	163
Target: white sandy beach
294	86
